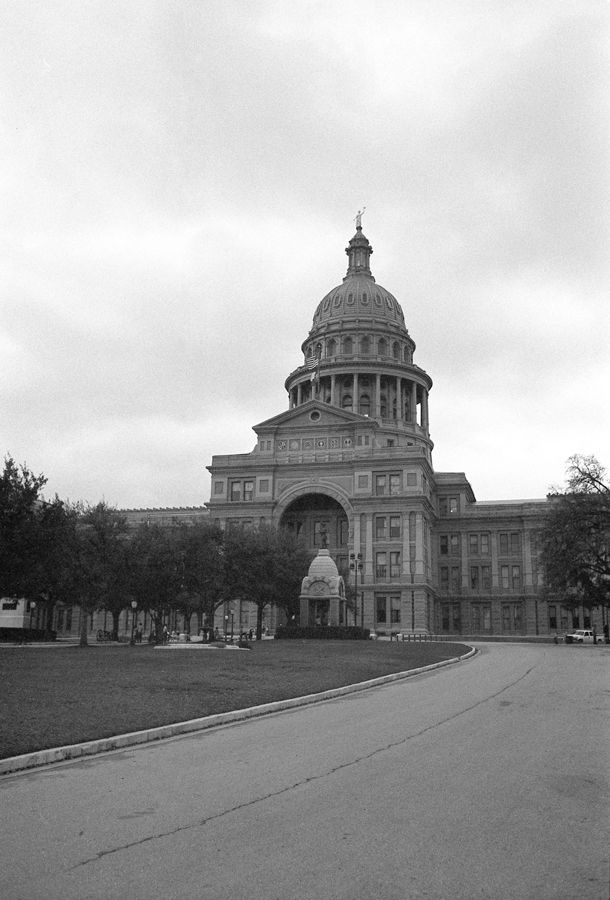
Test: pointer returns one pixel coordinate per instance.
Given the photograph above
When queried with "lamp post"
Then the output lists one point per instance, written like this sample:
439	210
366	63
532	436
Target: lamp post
32	608
356	566
134	606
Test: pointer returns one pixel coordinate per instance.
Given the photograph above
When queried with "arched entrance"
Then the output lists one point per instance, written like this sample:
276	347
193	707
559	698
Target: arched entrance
320	521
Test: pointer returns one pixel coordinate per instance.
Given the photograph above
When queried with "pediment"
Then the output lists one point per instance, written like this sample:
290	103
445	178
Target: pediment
314	415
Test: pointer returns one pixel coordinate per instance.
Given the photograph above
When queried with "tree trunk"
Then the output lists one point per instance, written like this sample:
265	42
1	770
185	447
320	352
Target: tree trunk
115	613
84	615
259	622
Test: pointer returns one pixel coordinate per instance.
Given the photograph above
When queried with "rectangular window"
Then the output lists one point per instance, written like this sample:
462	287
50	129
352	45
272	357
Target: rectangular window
503	549
455	579
394	526
319	533
444	544
380	527
395	610
380	609
444	578
553	618
219	487
453	505
474	578
248	490
394	484
380	485
380	565
235	491
486	578
394	564
411	479
515	543
516	578
454	544
473	544
504	577
484	545
264	485
363	481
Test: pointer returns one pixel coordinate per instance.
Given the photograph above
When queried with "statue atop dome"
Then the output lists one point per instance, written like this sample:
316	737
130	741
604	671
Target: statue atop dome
358	219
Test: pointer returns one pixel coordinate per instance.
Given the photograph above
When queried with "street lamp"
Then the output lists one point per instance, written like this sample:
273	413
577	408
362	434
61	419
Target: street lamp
356	566
32	608
134	606
230	613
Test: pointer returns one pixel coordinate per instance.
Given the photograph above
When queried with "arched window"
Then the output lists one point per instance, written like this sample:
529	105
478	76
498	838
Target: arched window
365	345
383	347
346	403
318	351
332	347
396	350
365	405
348	346
406	355
383	401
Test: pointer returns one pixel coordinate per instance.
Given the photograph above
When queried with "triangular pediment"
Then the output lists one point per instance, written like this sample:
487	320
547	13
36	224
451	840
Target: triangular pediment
314	414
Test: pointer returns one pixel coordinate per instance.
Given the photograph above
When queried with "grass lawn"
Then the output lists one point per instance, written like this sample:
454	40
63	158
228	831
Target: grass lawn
56	696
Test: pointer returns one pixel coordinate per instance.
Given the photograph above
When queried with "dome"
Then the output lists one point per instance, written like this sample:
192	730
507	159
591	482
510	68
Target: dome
359	296
323	566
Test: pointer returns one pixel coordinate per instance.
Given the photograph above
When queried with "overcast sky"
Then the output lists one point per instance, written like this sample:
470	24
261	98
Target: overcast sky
179	181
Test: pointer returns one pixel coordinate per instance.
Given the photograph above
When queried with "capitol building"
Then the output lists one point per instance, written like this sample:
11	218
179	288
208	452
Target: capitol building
348	466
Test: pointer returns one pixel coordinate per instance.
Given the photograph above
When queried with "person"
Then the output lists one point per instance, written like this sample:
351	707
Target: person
165	634
139	633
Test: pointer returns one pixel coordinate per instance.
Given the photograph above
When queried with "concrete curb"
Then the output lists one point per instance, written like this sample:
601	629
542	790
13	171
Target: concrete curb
103	745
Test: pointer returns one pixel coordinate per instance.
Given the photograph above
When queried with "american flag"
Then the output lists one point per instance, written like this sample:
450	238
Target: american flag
312	361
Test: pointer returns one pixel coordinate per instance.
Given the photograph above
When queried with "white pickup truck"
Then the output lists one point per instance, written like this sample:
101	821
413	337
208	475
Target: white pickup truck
584	636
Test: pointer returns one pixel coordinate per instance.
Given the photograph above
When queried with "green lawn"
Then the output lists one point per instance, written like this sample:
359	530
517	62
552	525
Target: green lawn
56	696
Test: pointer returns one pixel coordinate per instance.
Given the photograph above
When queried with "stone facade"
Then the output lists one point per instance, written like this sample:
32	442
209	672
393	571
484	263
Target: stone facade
348	466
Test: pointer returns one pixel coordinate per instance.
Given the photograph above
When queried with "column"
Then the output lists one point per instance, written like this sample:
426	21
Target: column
299	393
413	403
398	399
356	395
377	401
424	411
333	389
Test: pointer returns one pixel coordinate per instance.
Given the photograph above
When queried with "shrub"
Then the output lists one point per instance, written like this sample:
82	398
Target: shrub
322	632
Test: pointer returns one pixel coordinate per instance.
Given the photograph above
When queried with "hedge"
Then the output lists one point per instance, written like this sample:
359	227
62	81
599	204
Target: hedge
322	632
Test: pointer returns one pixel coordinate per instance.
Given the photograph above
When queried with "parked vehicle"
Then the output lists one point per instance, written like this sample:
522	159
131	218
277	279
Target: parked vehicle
583	636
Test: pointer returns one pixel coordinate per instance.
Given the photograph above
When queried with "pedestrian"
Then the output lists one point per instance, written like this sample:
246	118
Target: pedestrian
165	634
139	633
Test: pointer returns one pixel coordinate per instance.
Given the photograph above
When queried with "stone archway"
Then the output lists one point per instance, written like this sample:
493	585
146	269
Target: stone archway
320	522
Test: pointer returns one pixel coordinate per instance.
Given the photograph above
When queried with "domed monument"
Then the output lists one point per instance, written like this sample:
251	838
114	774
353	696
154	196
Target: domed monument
348	468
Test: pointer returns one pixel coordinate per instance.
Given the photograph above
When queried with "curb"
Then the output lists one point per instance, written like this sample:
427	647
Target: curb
103	745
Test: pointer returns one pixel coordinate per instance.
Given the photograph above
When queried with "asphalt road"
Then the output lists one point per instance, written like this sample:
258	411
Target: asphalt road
488	778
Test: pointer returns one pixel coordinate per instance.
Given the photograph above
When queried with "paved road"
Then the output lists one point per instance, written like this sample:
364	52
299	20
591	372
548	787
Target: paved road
484	779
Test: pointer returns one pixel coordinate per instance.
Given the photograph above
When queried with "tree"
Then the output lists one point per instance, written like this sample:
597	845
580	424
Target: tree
576	538
155	575
97	572
266	566
20	502
202	571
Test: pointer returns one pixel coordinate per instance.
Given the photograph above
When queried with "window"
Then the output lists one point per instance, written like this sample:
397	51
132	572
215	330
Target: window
394	564
552	618
473	544
444	544
380	565
380	527
512	541
411	479
320	534
394	526
484	545
388	484
486	578
474	578
454	544
380	485
444	578
394	484
516	577
363	481
347	346
235	491
380	611
219	487
455	579
248	490
395	610
504	577
264	485
448	505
